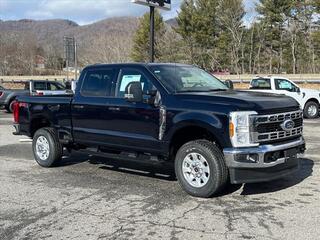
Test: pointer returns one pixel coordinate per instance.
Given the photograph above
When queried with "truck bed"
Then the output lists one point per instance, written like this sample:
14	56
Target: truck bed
55	109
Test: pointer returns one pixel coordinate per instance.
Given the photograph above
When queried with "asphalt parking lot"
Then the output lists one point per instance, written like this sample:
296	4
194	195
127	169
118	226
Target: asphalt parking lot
93	198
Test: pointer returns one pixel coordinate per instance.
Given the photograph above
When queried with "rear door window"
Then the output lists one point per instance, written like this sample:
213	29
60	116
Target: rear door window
261	83
99	83
40	85
54	87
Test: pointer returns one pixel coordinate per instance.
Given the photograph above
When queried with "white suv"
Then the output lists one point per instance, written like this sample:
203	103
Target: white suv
308	99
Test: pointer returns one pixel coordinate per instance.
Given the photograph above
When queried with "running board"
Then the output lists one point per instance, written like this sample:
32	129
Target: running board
123	155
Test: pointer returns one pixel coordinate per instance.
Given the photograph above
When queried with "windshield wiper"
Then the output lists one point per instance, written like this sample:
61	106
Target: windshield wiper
183	91
209	90
217	90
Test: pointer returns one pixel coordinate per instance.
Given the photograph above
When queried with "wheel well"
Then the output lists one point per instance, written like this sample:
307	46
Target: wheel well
38	123
188	134
313	100
10	100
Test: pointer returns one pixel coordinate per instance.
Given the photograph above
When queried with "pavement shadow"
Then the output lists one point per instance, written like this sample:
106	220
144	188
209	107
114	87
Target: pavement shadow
158	170
165	171
306	169
17	151
72	159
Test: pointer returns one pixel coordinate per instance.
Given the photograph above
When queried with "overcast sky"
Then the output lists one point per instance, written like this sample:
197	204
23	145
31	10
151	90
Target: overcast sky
84	11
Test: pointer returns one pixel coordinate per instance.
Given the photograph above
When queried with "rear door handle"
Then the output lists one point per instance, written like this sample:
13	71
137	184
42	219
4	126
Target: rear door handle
114	108
78	106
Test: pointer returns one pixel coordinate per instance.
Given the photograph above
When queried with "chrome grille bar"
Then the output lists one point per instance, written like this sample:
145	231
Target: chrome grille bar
258	137
263	137
279	117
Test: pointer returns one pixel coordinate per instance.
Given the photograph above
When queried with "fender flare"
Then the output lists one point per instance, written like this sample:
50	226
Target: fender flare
213	124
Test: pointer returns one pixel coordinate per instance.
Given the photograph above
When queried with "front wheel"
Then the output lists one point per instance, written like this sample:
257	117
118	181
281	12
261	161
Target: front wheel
200	168
47	149
311	110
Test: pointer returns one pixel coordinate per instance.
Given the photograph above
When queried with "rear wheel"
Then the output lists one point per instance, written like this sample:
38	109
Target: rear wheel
311	110
200	168
47	149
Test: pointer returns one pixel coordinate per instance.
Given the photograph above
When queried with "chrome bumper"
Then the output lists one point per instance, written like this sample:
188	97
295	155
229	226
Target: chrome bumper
231	153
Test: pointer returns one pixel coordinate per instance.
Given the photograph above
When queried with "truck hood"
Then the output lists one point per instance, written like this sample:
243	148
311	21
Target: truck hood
244	100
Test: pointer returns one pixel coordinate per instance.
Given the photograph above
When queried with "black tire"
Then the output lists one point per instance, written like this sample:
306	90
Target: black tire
9	107
306	111
55	147
219	174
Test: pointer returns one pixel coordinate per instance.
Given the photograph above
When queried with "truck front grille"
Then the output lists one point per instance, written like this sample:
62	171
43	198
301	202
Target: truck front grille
268	128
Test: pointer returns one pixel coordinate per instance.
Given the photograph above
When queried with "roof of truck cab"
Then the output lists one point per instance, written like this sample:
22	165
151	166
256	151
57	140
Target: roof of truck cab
101	65
270	77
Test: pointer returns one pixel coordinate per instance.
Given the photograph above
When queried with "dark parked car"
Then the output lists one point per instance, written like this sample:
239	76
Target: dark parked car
8	96
168	112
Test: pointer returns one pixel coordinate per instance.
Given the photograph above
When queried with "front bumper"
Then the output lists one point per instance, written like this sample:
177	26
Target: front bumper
267	162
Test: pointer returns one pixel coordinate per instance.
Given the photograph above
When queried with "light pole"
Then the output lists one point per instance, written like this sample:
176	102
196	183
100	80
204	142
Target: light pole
162	4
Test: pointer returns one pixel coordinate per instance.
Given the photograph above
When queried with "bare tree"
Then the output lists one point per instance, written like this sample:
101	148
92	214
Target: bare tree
232	12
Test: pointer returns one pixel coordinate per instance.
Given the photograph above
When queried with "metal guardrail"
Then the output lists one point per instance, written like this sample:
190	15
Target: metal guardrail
23	81
295	81
64	80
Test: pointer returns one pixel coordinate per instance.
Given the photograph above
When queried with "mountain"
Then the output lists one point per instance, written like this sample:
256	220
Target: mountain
96	39
172	22
41	29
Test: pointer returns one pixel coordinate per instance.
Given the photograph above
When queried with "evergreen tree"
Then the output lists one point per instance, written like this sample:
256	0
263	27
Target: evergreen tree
273	14
186	28
141	40
199	29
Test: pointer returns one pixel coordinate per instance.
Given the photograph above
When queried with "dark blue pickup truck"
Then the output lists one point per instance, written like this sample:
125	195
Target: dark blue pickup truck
169	112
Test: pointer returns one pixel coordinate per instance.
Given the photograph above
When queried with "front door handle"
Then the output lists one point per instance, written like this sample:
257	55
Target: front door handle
114	108
78	106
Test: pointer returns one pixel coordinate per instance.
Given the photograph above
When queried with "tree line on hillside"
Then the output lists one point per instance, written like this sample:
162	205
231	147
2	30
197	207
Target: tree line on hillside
284	37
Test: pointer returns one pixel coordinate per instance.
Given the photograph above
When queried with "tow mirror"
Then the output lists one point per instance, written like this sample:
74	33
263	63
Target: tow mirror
150	97
133	92
229	84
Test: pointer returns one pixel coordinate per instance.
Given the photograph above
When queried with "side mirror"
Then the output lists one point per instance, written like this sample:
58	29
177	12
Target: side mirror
229	84
152	93
133	92
68	85
298	90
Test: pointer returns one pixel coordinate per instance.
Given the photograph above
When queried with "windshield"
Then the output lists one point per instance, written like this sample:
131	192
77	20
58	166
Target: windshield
187	79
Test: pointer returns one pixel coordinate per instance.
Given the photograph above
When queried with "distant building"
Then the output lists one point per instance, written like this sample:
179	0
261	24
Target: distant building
40	61
315	26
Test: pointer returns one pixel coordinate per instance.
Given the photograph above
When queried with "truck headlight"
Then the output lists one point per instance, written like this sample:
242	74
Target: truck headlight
239	129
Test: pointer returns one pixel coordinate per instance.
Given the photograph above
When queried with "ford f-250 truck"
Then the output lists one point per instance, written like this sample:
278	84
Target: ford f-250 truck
169	112
309	99
40	87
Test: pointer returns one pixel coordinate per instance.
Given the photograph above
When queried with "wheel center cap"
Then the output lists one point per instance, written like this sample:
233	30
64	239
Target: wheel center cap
197	172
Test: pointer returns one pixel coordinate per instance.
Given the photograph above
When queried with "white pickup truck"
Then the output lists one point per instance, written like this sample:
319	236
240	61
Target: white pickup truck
308	99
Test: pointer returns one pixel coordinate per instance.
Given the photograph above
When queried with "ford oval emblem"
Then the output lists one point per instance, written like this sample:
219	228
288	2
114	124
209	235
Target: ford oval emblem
287	125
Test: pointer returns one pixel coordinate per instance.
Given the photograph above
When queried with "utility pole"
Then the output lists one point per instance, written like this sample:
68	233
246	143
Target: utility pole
67	67
75	61
152	34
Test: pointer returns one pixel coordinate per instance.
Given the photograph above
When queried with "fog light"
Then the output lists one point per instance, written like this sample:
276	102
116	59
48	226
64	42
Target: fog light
247	158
